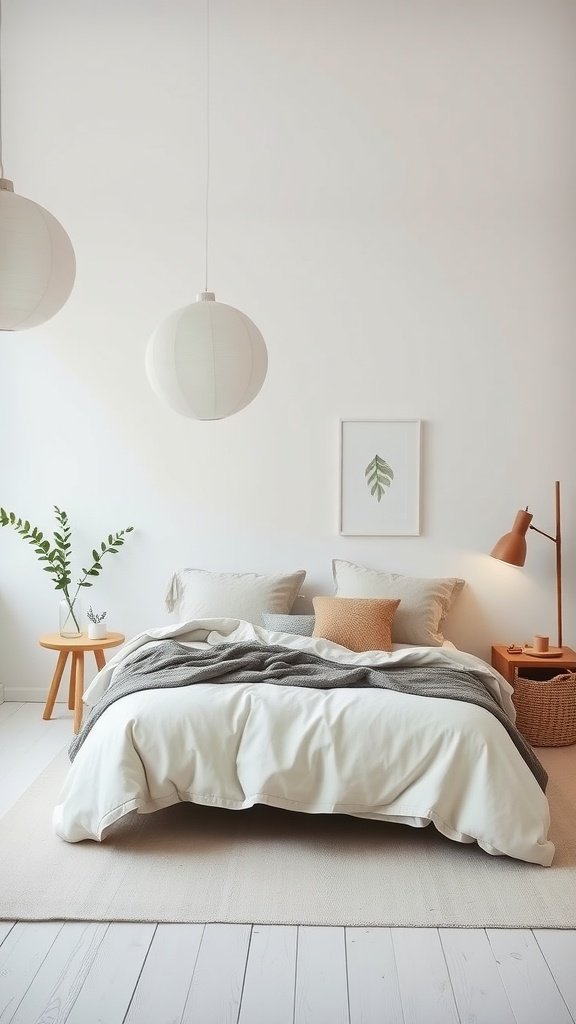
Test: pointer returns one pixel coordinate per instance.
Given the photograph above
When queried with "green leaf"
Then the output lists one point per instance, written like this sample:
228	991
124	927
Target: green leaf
95	556
103	546
378	476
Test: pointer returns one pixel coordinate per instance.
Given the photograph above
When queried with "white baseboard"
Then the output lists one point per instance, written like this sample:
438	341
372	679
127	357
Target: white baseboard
27	694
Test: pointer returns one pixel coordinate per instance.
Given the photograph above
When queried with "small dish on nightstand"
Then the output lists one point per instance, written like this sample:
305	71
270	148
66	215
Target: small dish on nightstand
552	652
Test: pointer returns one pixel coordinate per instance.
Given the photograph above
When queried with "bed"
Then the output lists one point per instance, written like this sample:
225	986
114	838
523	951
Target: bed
369	752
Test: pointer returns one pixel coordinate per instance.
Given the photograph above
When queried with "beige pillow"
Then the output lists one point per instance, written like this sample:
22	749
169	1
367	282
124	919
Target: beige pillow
360	624
425	603
201	594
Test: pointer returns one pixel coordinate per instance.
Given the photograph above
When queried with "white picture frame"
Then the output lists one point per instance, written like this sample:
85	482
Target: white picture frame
379	492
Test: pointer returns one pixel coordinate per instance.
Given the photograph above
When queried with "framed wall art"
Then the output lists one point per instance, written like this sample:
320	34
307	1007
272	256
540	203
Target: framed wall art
380	478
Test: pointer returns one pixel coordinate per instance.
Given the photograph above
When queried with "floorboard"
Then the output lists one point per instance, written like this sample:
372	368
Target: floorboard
269	982
216	989
372	976
8	708
27	746
321	977
59	979
171	958
559	950
419	954
478	989
107	989
21	955
5	929
533	993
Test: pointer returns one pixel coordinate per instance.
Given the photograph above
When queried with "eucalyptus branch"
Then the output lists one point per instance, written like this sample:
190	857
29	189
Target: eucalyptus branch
71	608
109	547
57	557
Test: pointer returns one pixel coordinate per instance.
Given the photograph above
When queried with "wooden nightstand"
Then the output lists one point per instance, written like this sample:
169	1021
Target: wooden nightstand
76	646
507	663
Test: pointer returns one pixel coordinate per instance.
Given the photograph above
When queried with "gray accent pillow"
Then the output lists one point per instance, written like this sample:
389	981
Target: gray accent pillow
302	625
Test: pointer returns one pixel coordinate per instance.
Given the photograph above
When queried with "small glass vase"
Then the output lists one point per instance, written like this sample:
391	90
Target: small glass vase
70	618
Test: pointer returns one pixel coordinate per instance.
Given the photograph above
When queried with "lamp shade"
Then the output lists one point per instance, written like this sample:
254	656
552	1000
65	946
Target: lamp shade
37	263
207	360
512	546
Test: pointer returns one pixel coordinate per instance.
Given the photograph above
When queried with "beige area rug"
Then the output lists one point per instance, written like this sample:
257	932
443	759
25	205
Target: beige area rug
190	863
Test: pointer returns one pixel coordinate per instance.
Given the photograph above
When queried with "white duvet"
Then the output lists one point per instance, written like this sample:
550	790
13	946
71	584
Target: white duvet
366	752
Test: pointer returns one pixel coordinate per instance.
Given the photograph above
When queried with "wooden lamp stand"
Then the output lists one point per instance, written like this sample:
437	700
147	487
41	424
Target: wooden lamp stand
557	540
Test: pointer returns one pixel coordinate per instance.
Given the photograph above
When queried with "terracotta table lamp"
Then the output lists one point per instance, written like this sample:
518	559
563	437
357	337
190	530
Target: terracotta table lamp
512	548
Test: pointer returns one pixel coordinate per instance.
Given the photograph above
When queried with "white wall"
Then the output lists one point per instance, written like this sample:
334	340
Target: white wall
392	202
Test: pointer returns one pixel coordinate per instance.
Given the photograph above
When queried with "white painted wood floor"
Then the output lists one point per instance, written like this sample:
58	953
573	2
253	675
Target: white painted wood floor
99	973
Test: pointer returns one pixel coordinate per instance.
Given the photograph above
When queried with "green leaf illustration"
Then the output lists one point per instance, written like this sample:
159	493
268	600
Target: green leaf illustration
378	476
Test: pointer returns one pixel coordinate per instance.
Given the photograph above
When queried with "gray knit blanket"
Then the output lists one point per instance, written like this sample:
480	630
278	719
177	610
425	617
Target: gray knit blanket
172	664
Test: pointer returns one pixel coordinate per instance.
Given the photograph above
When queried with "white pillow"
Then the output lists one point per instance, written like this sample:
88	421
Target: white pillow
424	603
200	594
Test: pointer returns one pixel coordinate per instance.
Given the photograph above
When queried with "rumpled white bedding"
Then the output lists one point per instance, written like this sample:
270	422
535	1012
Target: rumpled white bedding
365	752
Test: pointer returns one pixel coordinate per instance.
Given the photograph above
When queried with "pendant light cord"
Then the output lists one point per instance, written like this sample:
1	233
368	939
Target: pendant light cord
207	139
1	160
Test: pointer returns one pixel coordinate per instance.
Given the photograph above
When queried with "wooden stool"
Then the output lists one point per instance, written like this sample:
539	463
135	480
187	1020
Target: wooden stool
76	646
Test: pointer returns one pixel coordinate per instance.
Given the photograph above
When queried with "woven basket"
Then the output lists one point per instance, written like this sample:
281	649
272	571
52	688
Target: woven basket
546	710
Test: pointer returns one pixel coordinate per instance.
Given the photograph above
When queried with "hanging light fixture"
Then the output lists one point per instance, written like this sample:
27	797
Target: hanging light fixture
207	360
37	263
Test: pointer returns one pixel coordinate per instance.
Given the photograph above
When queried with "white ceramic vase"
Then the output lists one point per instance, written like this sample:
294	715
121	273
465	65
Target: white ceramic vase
97	630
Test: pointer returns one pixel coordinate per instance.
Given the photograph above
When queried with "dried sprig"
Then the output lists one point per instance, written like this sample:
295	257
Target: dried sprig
94	617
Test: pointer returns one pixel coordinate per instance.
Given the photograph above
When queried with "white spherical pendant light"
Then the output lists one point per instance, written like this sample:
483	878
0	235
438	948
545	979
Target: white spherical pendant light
37	263
207	360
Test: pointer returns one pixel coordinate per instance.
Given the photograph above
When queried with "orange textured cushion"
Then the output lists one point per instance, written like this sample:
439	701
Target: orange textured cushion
358	623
